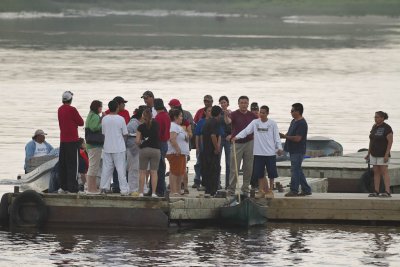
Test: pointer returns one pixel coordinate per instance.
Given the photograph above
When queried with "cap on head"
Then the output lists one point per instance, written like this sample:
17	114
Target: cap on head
254	106
158	104
148	94
38	132
208	98
174	103
67	96
119	100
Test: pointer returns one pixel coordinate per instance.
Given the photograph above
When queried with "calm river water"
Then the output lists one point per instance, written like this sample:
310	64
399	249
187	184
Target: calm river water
342	69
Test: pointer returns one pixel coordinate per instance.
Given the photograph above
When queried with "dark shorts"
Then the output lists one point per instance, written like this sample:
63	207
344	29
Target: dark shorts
260	162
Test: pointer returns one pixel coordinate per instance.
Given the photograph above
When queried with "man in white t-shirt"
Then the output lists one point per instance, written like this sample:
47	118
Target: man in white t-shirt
115	133
267	144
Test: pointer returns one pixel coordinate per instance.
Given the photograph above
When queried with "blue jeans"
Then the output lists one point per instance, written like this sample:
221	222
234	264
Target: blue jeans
298	177
226	145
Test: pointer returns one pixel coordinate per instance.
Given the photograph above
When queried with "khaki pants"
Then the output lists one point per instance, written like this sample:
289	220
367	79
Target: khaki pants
244	151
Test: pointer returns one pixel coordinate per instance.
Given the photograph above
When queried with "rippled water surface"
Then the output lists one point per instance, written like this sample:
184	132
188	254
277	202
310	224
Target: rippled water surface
342	69
273	245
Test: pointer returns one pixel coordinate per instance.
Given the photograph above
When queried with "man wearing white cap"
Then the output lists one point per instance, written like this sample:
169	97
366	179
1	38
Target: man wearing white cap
68	120
37	147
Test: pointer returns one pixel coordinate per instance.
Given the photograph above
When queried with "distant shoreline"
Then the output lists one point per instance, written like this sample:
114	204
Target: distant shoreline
264	7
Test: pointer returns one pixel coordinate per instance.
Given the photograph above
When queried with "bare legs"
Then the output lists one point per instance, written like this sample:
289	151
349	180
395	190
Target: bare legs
381	170
153	180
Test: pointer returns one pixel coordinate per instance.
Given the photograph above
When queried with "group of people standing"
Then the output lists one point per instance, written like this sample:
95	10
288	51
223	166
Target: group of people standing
133	148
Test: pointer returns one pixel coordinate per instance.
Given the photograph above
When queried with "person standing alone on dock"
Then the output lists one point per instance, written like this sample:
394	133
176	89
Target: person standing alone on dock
295	144
380	144
68	120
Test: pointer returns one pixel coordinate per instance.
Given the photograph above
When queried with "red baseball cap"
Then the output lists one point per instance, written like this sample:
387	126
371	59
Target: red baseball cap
174	103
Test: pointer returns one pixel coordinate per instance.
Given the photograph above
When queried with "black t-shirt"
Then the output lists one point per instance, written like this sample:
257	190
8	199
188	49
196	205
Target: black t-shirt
150	137
378	139
211	126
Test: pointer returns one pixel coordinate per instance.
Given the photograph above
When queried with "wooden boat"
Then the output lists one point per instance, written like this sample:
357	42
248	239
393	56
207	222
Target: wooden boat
245	214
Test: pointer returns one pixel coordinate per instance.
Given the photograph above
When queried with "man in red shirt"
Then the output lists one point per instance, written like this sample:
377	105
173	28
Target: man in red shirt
164	122
208	102
121	108
244	147
68	120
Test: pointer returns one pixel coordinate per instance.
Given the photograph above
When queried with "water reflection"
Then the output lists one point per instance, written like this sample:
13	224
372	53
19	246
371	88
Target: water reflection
274	245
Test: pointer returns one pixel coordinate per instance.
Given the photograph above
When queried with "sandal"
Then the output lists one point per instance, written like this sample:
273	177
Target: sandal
386	194
375	194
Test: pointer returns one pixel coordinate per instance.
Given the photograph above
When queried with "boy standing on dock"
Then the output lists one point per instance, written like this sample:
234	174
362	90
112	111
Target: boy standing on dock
295	144
68	120
267	144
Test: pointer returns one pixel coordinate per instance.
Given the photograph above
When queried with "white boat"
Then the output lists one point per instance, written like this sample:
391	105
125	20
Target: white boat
39	178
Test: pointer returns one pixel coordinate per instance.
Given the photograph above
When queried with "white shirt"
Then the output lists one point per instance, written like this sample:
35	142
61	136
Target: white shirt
182	139
41	150
266	137
153	112
114	128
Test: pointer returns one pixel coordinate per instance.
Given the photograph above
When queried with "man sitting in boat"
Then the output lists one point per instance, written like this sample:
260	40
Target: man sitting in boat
36	150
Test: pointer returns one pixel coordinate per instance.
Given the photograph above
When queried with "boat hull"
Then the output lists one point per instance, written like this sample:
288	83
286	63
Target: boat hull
245	214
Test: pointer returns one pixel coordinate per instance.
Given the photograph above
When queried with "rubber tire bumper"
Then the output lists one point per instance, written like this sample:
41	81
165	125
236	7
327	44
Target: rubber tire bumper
29	196
4	213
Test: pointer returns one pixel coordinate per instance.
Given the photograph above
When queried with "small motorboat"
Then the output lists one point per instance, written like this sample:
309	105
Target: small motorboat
39	178
318	146
244	214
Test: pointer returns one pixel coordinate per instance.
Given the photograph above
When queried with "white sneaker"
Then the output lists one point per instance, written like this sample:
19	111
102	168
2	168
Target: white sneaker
141	195
124	194
154	195
61	191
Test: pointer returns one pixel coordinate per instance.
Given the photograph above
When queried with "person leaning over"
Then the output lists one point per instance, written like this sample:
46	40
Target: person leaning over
68	120
267	144
35	148
93	122
113	127
380	144
296	140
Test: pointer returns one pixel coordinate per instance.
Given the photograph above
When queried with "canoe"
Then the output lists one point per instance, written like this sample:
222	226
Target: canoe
244	214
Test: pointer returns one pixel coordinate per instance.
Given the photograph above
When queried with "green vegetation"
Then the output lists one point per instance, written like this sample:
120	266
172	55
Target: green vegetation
265	7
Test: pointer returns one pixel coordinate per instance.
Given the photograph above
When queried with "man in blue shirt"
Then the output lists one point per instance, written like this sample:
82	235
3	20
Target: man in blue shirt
295	144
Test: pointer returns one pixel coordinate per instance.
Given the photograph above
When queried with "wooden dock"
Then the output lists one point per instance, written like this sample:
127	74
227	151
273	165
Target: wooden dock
115	211
343	173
